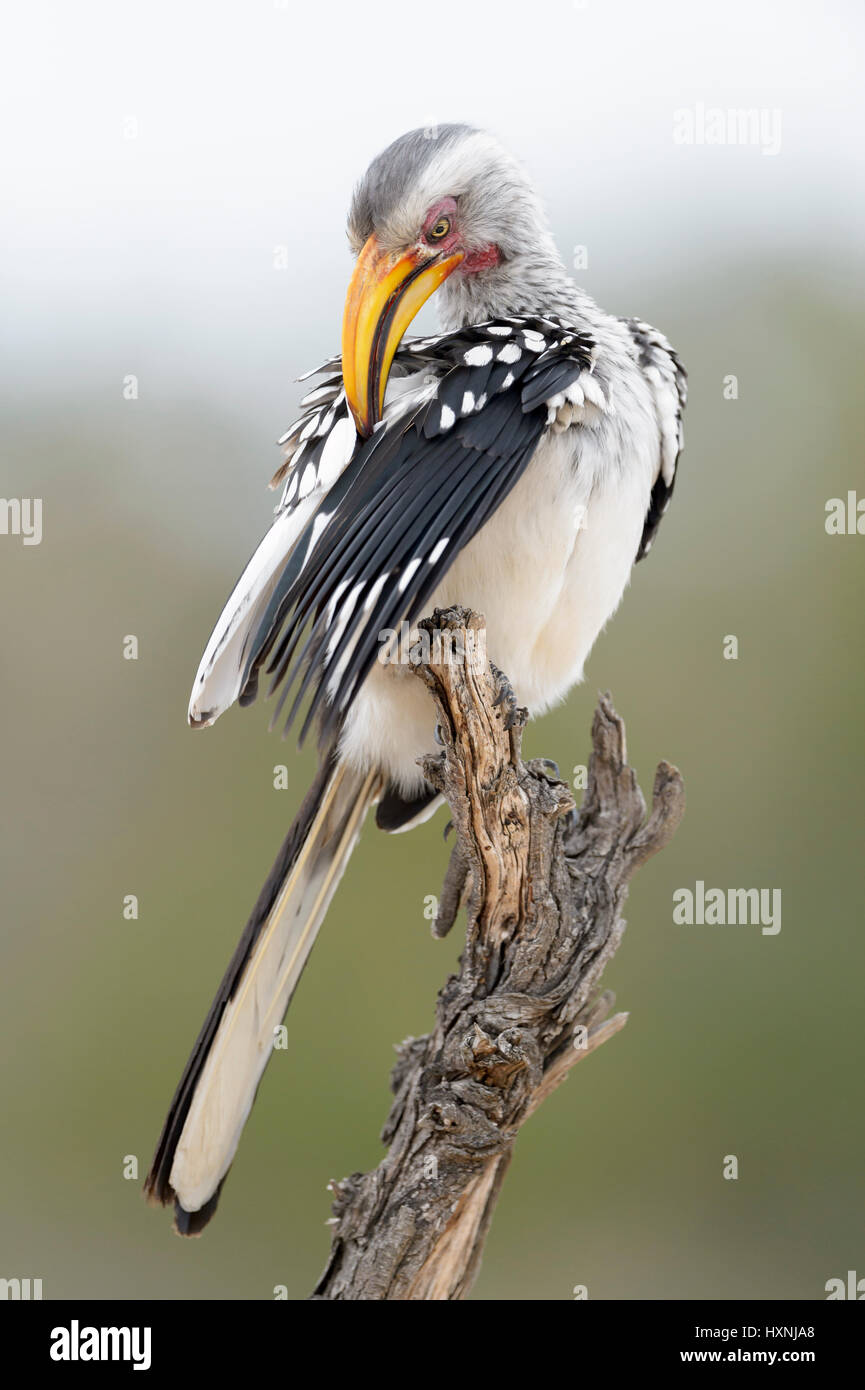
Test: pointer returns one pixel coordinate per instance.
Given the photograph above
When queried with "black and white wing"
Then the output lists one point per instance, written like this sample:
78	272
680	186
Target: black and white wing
318	446
669	385
389	526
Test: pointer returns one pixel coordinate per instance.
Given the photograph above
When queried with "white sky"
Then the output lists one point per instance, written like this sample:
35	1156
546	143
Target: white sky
255	118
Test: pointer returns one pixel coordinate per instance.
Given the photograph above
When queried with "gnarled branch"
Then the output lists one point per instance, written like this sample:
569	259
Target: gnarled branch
543	886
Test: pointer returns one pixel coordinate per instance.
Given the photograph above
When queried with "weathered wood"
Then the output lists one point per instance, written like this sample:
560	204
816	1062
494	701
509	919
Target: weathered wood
544	888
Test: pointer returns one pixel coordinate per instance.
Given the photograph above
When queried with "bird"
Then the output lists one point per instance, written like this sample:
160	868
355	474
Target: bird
517	463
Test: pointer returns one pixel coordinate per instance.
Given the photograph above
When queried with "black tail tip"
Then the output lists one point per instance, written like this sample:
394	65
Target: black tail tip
192	1223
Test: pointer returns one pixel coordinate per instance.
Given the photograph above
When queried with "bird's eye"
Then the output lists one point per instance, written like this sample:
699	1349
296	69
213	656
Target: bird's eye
439	230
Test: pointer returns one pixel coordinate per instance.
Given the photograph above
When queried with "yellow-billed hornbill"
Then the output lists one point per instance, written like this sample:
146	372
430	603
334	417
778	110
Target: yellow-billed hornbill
517	464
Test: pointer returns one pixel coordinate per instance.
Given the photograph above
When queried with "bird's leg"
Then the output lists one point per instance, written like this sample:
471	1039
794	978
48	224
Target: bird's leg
452	893
514	713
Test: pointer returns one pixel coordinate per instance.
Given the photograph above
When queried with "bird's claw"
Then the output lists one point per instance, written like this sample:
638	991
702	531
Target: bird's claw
551	768
505	696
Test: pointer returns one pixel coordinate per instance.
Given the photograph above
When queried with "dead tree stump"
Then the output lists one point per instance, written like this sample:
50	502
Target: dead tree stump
544	887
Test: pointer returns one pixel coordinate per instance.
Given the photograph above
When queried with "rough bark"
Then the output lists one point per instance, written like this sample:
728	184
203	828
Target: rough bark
543	886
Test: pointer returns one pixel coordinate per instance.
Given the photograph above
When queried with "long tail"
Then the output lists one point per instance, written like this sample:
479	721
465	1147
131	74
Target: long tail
217	1089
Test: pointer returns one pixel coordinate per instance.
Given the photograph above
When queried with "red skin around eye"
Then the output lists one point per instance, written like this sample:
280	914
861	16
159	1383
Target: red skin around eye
445	207
480	259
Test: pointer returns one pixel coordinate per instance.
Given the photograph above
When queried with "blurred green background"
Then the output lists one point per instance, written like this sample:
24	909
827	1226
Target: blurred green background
158	260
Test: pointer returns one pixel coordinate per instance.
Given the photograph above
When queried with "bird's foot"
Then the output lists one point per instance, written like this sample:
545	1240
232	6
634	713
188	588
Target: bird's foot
569	821
514	714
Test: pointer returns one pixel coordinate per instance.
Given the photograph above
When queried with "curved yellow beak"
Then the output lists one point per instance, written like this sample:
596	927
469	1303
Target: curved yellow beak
385	294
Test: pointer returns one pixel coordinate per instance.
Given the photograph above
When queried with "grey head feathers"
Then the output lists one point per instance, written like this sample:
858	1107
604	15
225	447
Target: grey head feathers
393	174
497	203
